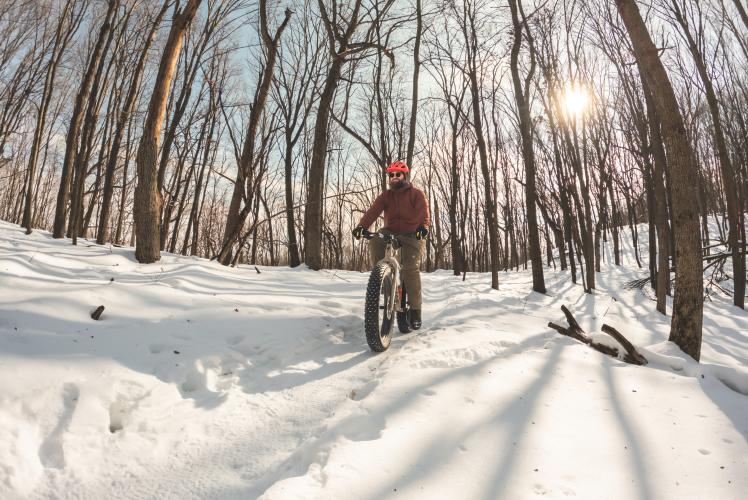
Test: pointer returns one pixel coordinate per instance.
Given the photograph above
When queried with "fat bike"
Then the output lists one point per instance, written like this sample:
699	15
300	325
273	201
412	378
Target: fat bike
386	296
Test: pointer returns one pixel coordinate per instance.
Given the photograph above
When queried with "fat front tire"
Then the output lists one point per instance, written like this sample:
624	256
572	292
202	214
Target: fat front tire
378	319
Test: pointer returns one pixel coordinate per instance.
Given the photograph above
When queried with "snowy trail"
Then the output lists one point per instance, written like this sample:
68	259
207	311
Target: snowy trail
207	382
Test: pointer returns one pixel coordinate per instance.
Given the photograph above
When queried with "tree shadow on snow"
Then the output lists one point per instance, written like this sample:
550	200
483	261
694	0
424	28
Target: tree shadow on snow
374	422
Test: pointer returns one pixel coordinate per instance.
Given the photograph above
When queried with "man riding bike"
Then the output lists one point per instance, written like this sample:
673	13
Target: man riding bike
406	215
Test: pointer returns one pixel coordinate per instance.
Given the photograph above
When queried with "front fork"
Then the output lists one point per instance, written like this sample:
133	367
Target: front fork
395	298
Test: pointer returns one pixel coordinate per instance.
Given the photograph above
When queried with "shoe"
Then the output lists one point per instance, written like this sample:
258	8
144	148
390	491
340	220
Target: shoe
415	319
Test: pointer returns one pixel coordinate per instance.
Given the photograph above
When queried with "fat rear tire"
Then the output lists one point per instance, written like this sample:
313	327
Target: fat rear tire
403	318
378	321
403	322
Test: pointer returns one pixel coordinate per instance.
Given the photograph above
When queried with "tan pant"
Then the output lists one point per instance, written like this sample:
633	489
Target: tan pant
410	259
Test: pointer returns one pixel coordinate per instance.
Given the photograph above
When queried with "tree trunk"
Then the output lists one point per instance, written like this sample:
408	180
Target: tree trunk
147	207
71	143
60	43
80	160
124	116
414	97
244	180
294	258
725	163
662	288
522	99
685	328
315	187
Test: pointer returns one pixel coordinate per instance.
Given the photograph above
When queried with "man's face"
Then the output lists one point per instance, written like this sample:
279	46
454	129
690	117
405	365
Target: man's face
395	178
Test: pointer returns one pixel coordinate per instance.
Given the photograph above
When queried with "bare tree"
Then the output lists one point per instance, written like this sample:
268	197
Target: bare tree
416	71
122	120
244	186
295	92
688	305
69	21
147	208
341	22
735	217
522	97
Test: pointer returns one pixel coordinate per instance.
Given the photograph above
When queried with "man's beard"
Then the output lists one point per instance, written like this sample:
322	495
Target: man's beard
398	185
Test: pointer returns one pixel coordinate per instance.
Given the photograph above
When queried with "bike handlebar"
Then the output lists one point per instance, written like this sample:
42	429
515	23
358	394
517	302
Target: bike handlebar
386	237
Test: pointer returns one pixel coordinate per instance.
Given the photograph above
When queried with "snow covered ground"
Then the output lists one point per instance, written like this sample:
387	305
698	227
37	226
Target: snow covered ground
208	382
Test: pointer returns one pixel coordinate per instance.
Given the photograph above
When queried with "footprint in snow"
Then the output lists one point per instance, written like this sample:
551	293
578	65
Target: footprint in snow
429	392
704	452
51	453
128	398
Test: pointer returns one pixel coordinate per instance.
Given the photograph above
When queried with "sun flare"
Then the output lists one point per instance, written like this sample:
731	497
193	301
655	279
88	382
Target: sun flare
575	100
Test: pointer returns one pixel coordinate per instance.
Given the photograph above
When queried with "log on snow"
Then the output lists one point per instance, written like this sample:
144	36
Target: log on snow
632	355
575	331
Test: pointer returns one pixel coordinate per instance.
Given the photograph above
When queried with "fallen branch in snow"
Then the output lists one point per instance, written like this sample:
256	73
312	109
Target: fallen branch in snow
575	331
637	283
717	276
632	355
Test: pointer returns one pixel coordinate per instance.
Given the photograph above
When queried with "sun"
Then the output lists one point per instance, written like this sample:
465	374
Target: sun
575	100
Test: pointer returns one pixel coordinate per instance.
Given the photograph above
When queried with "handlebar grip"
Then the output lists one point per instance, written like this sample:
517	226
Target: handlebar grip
368	234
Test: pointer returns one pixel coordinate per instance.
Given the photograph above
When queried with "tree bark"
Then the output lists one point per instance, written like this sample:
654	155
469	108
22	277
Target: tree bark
244	185
414	96
80	160
63	34
147	207
71	142
316	183
726	168
124	116
522	99
686	325
662	287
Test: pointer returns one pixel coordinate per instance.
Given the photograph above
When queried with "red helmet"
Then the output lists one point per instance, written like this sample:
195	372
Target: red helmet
398	166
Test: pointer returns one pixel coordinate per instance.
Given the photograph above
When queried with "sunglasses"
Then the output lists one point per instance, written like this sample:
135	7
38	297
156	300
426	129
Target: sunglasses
395	174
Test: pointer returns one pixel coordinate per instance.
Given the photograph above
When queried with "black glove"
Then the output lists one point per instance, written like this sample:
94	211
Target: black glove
357	232
421	233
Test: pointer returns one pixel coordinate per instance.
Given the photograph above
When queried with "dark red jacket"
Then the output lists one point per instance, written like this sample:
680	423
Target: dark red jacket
404	210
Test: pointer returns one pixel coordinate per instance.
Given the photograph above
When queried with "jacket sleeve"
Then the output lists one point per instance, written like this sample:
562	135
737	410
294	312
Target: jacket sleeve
422	209
375	211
